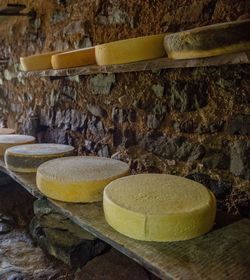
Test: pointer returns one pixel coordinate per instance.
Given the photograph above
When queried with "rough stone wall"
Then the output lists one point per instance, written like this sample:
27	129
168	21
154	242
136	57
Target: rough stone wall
190	122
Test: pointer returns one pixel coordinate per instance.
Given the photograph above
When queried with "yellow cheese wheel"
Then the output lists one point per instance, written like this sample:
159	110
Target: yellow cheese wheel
159	207
74	58
130	50
27	158
78	179
37	62
209	40
7	141
6	131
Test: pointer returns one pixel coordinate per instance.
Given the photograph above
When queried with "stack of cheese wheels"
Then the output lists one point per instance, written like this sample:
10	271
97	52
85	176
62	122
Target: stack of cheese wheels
75	58
78	179
37	62
7	141
159	207
27	158
130	50
209	40
6	131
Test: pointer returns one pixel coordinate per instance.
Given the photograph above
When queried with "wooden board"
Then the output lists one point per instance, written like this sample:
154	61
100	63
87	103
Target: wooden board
221	254
153	65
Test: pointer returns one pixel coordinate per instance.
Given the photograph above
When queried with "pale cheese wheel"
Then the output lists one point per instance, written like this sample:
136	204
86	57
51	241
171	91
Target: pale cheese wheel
206	41
159	207
6	131
76	58
130	50
27	158
37	62
78	179
7	141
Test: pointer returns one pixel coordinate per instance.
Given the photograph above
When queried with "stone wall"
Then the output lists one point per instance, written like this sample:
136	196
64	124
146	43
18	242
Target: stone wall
190	122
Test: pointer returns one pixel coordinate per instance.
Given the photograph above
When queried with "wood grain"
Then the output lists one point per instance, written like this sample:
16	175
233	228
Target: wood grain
221	254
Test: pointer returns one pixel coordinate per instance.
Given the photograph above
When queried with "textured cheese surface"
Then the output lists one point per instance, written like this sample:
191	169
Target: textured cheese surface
27	158
75	58
6	131
7	141
130	50
159	207
78	179
37	62
212	40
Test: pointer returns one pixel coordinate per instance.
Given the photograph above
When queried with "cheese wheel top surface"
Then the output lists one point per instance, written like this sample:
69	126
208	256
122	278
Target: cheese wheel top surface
157	194
6	131
16	138
82	168
40	149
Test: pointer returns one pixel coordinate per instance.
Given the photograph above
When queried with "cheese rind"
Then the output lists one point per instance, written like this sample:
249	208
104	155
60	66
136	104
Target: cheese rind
159	207
78	179
37	62
27	158
130	50
74	58
6	131
206	41
7	141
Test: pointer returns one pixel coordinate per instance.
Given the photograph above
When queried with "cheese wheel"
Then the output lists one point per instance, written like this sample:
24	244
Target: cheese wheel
130	50
27	158
78	179
209	40
37	62
6	131
159	207
7	141
74	58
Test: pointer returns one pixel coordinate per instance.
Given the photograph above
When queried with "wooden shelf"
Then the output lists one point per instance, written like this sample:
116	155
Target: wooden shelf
221	254
153	65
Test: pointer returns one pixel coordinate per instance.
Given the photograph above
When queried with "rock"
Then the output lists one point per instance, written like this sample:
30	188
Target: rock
158	90
96	127
177	148
187	96
153	122
240	163
102	84
62	238
129	137
119	115
97	110
219	188
217	159
132	116
103	151
113	265
79	120
187	126
114	16
5	228
117	137
240	125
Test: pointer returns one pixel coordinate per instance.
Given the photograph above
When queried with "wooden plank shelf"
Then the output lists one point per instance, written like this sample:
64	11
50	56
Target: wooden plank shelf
153	65
221	254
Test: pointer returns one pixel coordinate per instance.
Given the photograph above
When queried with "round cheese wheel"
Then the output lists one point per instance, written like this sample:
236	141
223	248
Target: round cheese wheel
78	179
27	158
130	50
209	40
37	62
6	131
7	141
159	207
74	58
